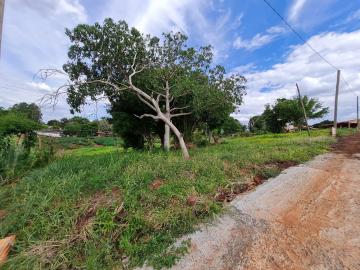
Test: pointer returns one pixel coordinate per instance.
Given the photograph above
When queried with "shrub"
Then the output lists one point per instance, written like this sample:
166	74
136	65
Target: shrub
18	155
200	139
108	141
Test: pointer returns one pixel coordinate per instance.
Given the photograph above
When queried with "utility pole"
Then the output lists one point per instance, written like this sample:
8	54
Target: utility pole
303	107
2	6
357	113
333	131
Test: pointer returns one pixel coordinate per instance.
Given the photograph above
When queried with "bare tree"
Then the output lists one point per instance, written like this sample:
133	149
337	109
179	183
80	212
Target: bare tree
152	101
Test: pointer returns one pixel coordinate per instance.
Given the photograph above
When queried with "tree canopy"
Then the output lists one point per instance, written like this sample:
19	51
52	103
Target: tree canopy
15	123
80	127
169	79
287	111
20	118
31	111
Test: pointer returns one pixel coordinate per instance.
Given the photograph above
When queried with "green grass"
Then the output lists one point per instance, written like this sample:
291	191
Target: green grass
98	207
93	151
77	142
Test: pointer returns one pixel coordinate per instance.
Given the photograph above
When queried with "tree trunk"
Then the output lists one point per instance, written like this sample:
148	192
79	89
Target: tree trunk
179	136
183	147
211	137
167	114
167	138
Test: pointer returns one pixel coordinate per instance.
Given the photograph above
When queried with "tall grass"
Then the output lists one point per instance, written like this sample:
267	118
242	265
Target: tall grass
17	157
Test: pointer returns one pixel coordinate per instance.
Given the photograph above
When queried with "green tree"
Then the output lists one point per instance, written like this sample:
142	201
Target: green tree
103	125
257	124
232	126
16	123
31	111
80	127
286	111
54	123
111	59
314	110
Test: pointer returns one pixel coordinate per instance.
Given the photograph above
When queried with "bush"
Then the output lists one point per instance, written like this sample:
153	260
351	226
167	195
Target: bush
200	139
17	156
14	159
14	123
108	141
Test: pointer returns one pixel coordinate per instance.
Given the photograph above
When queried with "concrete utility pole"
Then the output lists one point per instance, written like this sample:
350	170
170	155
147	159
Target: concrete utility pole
357	113
333	131
2	6
303	107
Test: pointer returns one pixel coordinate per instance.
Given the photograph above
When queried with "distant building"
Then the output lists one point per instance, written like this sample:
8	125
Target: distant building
344	124
55	133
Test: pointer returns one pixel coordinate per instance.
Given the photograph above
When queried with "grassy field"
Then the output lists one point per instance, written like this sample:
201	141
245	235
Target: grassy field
107	208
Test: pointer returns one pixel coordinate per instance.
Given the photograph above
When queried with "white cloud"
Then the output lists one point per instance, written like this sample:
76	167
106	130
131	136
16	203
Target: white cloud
259	40
187	16
155	16
33	39
34	35
40	86
296	9
314	76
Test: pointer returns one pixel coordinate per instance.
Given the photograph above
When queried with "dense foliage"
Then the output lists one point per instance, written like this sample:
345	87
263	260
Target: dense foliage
16	123
31	111
17	141
182	79
80	127
287	111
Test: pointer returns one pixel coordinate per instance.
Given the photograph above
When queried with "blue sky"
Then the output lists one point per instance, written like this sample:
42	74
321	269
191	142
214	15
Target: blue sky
247	36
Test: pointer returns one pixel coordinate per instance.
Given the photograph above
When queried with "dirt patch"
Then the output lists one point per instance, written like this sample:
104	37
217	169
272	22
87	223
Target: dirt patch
348	145
229	193
156	184
2	214
97	201
192	200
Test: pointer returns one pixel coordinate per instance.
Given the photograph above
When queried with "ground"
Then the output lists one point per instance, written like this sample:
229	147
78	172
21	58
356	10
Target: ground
104	207
306	218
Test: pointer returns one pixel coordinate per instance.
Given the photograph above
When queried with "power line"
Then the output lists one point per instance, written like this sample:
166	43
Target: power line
307	43
299	36
349	86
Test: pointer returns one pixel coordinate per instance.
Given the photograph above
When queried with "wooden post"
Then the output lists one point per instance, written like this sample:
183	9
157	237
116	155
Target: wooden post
303	107
39	142
336	103
357	113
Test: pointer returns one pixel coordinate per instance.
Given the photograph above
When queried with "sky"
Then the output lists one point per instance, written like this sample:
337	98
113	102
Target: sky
247	37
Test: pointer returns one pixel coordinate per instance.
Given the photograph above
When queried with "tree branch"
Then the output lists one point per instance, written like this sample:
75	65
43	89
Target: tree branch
180	108
146	102
155	117
180	114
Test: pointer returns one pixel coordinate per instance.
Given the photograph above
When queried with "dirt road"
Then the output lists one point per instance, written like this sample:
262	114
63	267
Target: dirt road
306	218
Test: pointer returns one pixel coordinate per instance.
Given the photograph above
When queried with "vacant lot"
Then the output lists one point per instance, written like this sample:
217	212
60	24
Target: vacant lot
100	208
